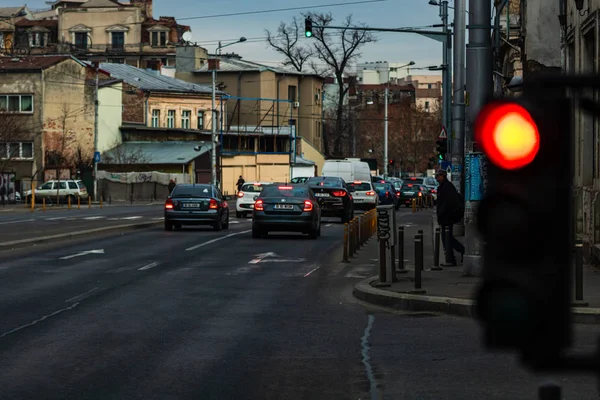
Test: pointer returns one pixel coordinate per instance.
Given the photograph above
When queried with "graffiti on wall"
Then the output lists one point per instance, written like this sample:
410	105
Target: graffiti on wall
7	186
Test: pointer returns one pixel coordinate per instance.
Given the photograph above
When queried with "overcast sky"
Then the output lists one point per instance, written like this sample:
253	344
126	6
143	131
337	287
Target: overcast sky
392	47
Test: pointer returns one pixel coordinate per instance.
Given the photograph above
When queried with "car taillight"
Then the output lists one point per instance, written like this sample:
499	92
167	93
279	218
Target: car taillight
420	194
387	194
370	193
213	205
285	188
398	194
308	206
258	205
169	204
434	191
339	193
240	194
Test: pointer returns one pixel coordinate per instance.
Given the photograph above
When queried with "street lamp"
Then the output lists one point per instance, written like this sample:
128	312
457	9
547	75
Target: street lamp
214	111
386	120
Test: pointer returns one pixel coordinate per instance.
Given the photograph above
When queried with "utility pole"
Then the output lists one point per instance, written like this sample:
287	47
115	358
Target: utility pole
480	88
213	131
458	108
385	134
96	112
446	78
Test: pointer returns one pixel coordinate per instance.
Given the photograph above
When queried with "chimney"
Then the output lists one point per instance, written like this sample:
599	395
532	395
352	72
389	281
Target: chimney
146	7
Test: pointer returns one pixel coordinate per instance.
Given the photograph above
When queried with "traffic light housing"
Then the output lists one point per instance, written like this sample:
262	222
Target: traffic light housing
308	27
525	220
392	162
441	148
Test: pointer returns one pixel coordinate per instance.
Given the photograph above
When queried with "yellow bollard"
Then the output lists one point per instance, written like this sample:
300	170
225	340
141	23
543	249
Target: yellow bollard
69	202
78	203
89	201
44	204
32	198
414	205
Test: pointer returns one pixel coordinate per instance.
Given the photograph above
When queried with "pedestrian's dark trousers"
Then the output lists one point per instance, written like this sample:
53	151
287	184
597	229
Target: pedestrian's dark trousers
456	245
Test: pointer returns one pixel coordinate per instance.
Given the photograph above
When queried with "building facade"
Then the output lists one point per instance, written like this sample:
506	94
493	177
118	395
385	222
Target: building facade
428	90
380	72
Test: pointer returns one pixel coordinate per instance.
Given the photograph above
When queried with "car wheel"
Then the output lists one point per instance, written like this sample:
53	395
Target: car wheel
314	233
226	224
177	227
239	214
244	214
168	226
218	225
28	200
255	233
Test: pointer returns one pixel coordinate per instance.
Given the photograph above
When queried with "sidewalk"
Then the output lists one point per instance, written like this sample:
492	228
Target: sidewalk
448	290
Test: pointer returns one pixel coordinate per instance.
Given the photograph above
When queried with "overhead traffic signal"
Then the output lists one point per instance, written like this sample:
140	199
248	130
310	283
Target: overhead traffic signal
308	27
441	148
392	162
525	220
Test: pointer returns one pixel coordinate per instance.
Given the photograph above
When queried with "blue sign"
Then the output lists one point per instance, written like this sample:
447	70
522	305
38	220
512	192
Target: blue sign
475	176
97	157
445	165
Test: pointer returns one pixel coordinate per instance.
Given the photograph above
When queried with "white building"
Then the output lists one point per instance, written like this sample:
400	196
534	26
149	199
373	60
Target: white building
379	72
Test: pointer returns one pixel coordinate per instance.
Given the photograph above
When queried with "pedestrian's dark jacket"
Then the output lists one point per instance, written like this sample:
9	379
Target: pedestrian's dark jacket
171	186
450	209
240	183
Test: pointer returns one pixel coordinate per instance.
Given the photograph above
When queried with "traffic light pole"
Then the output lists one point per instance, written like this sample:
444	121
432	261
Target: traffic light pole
385	136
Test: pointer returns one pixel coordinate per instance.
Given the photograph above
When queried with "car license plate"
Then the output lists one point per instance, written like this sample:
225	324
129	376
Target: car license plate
284	207
358	200
321	194
408	193
191	205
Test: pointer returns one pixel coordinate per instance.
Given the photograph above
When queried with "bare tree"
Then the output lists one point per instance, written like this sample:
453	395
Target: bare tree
59	145
120	156
336	51
285	42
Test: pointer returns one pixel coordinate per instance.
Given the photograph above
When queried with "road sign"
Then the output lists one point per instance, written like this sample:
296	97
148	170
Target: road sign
97	157
445	165
443	133
449	170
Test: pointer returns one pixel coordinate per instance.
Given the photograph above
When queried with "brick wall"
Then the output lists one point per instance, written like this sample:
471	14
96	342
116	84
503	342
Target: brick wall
133	104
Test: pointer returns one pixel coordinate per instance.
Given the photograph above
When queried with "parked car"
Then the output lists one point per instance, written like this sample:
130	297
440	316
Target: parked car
364	195
288	208
194	204
66	189
334	196
245	198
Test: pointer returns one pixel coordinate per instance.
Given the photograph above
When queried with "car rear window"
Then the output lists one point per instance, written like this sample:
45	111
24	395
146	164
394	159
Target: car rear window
417	181
284	191
327	182
81	185
253	188
409	186
381	186
361	186
192	191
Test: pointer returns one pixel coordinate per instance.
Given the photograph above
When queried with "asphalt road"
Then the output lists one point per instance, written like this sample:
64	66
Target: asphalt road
198	314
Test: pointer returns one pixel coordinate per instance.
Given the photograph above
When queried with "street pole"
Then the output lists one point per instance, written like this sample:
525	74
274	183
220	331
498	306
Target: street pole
213	133
458	114
480	89
96	112
385	135
446	78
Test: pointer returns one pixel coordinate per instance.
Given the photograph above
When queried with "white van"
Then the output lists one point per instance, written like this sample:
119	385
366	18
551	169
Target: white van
350	170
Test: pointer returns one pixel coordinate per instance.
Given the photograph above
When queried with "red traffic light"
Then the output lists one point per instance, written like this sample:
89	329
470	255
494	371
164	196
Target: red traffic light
508	135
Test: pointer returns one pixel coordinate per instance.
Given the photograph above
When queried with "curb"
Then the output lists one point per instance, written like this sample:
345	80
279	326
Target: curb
447	305
75	235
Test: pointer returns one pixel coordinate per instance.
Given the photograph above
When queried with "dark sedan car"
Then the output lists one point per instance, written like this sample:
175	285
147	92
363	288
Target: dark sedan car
410	191
386	193
334	196
191	204
290	208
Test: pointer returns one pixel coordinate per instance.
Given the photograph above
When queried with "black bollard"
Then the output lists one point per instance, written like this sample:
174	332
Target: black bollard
418	265
382	262
401	269
549	391
449	252
436	250
579	275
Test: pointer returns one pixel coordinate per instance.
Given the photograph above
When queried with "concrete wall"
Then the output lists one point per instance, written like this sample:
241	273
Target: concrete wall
542	37
110	116
134	105
309	152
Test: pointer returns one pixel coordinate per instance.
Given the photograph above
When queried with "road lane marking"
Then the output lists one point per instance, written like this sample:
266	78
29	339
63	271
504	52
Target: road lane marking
134	217
96	217
366	359
81	296
310	272
158	219
82	253
145	267
55	218
72	306
216	240
259	257
328	225
16	222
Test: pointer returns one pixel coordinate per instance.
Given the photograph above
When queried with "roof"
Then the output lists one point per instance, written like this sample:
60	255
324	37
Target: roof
152	82
32	63
10	11
108	82
231	64
303	161
157	152
47	23
42	15
101	4
392	87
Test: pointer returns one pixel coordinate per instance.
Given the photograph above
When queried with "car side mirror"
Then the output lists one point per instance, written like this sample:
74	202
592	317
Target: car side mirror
255	198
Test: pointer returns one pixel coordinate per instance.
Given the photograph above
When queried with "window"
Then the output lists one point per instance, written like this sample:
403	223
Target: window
47	186
429	86
72	185
185	119
200	120
116	60
16	150
62	185
292	93
159	38
81	185
81	40
19	103
426	106
37	39
155	118
118	40
171	119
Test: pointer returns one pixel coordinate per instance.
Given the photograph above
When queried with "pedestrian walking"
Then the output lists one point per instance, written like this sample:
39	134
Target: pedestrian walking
240	183
172	184
450	211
